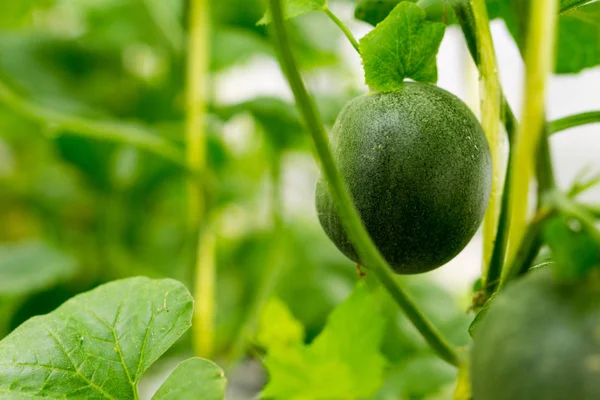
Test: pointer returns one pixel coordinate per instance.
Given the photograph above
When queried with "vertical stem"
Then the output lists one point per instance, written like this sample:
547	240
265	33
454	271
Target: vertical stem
197	85
539	59
345	207
490	115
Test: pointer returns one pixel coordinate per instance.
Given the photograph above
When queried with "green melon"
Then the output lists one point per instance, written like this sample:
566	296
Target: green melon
418	167
539	340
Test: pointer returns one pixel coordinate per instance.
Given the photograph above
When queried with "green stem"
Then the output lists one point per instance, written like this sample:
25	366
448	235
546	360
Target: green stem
490	110
196	89
343	27
573	121
538	65
544	169
109	131
349	216
466	20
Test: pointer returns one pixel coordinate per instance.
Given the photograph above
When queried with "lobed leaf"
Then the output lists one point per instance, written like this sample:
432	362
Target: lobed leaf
402	46
344	361
97	344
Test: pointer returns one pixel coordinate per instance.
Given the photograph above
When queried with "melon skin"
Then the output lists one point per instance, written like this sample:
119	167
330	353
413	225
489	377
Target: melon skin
418	167
539	340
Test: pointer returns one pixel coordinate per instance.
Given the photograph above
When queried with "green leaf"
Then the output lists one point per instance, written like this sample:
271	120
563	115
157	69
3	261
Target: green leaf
295	8
578	40
97	344
344	361
195	378
374	11
416	377
575	250
14	13
278	327
402	46
30	267
231	46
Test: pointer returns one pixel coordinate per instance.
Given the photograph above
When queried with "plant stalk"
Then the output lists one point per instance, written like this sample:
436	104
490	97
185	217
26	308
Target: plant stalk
348	213
572	121
196	92
490	115
343	27
538	65
465	17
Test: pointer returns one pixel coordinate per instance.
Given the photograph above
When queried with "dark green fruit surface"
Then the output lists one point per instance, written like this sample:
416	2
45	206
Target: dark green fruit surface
539	340
418	168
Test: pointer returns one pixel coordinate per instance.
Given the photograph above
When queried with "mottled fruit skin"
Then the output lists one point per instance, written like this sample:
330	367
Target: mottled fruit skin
418	167
539	340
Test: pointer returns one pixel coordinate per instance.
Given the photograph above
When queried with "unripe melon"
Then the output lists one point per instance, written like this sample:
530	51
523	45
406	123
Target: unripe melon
418	167
540	339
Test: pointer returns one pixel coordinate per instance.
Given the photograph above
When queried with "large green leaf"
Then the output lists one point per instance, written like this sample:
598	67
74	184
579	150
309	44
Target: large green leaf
195	378
404	45
97	344
344	361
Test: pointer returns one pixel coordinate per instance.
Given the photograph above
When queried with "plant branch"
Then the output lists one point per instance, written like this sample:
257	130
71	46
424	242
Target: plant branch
538	65
572	121
466	20
490	110
544	169
348	213
343	27
196	90
108	131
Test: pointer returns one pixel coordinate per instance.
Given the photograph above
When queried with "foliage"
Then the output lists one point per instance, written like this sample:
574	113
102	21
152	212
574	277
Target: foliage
98	345
94	179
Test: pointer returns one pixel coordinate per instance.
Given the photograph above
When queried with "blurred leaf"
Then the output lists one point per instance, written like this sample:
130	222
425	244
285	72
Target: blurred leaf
97	344
14	12
231	46
342	362
30	267
295	8
416	378
277	327
374	11
578	41
195	378
90	157
403	46
280	120
575	250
